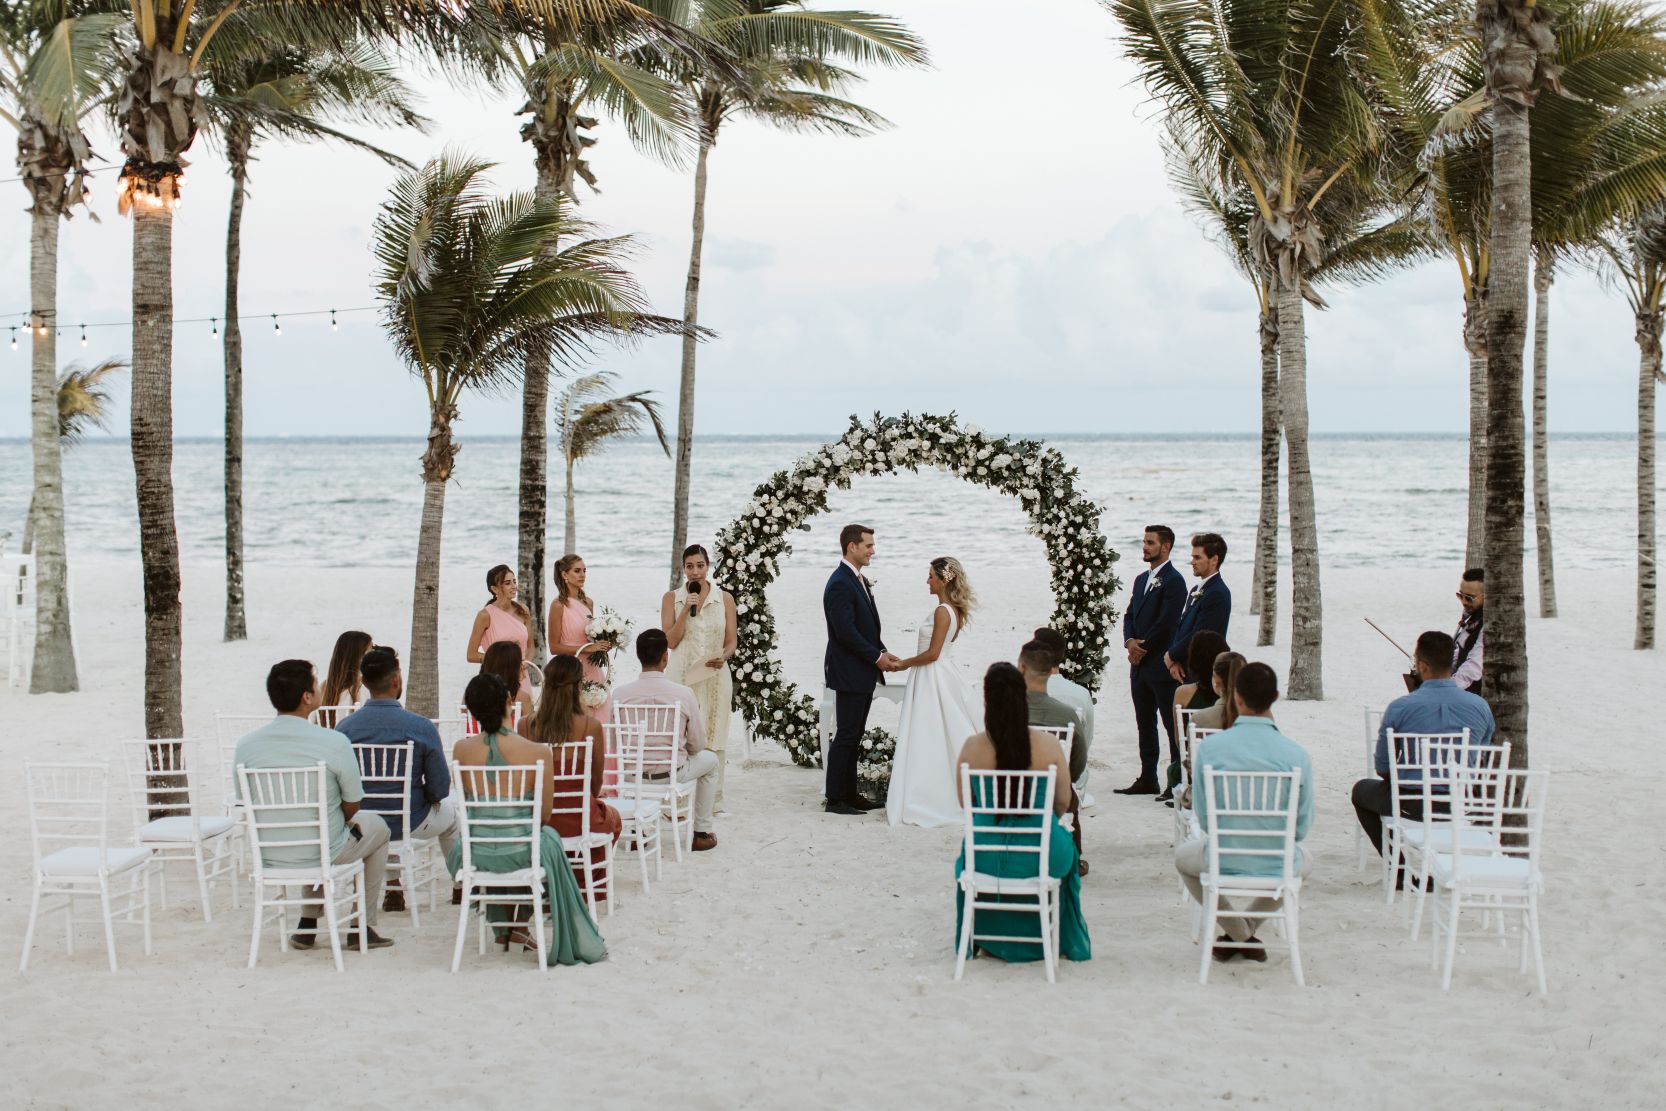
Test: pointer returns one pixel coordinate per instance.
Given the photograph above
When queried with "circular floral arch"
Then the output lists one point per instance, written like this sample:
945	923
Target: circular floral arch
749	550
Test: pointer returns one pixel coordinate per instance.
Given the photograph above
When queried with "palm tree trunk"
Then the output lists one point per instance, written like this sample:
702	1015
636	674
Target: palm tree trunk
1504	683
54	664
29	528
1544	274
571	535
685	393
533	542
423	681
238	141
1648	346
1264	590
1475	342
153	454
1306	680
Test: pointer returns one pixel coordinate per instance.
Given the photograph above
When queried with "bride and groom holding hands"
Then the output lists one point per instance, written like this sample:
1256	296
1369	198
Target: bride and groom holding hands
938	709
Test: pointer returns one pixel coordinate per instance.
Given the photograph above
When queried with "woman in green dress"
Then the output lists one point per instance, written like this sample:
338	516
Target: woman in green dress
574	937
1009	744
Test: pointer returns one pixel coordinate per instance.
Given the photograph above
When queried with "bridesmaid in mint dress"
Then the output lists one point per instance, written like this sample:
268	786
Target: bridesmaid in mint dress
1008	744
574	937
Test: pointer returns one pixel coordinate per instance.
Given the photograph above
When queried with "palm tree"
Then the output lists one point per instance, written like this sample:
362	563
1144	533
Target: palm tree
1544	273
570	69
466	286
587	419
158	112
1272	93
82	402
1639	260
54	68
787	76
287	91
1226	213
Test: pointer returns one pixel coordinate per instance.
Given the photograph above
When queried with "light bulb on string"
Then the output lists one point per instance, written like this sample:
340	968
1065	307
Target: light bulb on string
333	327
83	335
214	325
276	330
14	339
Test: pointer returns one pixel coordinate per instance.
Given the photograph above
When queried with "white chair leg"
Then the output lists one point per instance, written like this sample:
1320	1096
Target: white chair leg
538	929
144	894
1538	947
202	881
109	920
965	946
328	894
1422	881
254	937
1451	940
1292	925
29	930
462	925
1211	912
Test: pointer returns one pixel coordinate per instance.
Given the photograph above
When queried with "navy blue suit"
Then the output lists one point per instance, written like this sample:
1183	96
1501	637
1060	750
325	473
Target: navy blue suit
851	670
1208	607
1152	617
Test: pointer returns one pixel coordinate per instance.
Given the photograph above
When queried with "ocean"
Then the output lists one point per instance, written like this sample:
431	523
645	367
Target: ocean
1383	501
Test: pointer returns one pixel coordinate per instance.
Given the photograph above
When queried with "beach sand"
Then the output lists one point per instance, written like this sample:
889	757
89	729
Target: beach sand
807	961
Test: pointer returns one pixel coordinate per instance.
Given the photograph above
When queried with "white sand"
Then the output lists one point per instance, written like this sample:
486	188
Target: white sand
807	960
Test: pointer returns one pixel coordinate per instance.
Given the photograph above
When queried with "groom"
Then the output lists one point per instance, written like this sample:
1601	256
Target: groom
855	658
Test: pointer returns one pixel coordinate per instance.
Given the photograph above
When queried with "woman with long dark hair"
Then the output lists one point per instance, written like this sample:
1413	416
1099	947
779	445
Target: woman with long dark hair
562	720
503	659
502	618
575	937
1201	654
1007	743
699	624
343	685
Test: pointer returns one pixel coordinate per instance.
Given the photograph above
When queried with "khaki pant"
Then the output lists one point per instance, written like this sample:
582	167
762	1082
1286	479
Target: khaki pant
441	824
371	846
1190	860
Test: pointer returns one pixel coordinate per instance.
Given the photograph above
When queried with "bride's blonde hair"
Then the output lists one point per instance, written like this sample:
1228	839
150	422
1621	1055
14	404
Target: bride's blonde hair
957	587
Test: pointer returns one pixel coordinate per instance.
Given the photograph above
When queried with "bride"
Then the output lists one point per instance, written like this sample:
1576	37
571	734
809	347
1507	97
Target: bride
938	712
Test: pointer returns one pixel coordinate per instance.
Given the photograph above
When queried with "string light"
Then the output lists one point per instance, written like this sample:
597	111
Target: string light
276	329
83	335
333	320
32	323
214	325
14	339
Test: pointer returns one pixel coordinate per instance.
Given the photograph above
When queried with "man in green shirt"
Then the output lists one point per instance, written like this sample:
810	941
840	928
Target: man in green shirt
291	741
1036	662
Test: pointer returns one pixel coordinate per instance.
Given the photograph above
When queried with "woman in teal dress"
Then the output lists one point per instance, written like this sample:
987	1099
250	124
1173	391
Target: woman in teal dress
574	937
1008	744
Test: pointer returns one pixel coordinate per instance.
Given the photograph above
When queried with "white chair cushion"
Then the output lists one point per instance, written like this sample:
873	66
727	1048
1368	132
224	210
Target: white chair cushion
1489	872
1440	838
312	876
627	808
84	861
503	879
1258	884
1006	885
178	828
593	841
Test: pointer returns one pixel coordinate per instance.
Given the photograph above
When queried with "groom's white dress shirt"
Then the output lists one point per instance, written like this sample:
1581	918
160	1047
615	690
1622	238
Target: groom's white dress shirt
854	570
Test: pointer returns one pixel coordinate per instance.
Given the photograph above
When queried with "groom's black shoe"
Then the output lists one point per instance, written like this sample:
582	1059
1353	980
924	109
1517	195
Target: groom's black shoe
1139	787
840	806
863	804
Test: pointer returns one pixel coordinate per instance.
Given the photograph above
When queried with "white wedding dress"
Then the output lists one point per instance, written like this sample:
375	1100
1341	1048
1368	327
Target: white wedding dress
938	713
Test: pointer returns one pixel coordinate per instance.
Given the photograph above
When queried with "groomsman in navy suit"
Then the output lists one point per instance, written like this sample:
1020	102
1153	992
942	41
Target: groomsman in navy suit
1147	629
1208	606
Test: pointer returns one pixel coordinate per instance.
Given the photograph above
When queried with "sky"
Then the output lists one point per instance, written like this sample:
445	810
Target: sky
1010	249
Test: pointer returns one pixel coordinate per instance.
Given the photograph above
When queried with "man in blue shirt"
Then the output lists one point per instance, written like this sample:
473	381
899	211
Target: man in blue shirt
383	721
1253	744
1438	705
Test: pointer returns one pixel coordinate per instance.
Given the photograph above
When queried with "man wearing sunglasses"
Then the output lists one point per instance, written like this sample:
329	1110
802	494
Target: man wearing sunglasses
1470	637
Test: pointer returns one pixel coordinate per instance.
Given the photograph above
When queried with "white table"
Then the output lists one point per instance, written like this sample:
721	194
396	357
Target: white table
891	691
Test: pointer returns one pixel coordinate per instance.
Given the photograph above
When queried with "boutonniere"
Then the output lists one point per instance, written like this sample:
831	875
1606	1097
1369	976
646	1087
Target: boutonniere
869	583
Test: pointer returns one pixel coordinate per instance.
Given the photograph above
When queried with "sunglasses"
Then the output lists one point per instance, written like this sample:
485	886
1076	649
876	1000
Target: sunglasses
1462	597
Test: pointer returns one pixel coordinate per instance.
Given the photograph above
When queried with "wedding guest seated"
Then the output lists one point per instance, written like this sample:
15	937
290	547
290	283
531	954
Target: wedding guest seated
341	679
1253	744
574	938
1036	664
504	660
562	721
291	741
1224	713
383	721
1200	694
1072	694
1007	743
1438	705
694	760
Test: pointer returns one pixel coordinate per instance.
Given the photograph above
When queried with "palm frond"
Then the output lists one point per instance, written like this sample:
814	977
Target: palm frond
83	398
587	419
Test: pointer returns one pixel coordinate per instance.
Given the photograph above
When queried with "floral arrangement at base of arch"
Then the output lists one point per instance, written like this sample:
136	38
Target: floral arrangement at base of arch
750	549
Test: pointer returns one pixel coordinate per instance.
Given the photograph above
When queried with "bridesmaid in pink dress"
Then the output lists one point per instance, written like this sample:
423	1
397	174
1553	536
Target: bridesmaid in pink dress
570	614
501	618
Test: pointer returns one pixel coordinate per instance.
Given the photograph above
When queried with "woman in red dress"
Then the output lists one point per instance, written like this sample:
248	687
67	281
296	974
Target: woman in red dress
562	721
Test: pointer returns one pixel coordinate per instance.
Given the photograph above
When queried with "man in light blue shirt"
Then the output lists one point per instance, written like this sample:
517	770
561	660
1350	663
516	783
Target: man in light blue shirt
1252	744
291	741
1438	705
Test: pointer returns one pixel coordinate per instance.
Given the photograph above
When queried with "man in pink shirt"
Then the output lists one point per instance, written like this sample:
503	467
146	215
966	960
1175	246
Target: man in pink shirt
694	760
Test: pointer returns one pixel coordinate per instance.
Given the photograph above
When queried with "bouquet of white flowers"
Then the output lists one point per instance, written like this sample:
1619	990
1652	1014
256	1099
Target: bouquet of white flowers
592	694
608	628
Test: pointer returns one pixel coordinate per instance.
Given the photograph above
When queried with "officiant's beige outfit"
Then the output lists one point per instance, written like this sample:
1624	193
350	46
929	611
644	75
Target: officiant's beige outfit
714	687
